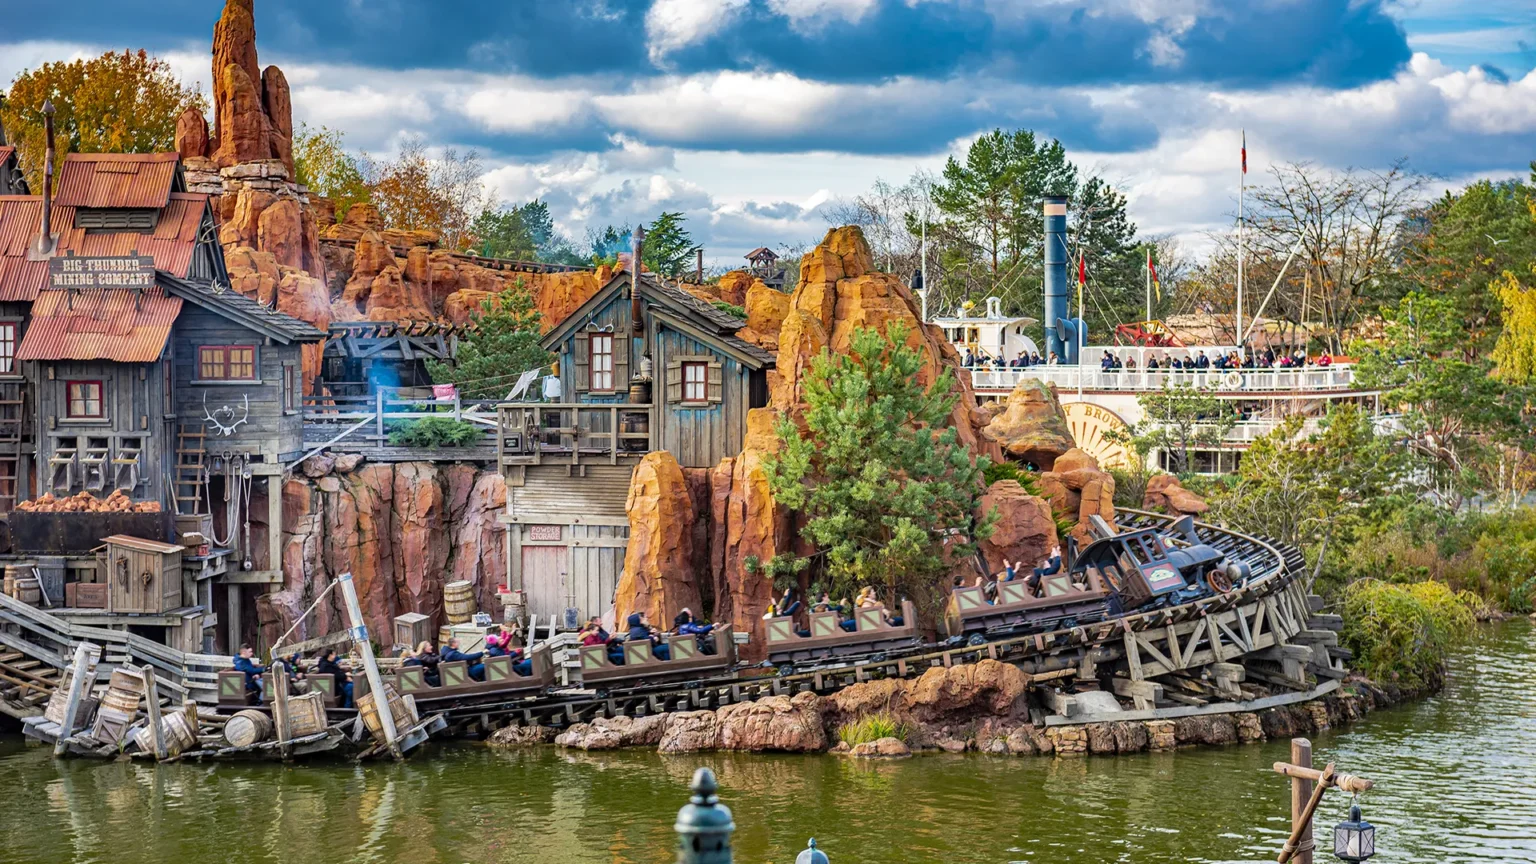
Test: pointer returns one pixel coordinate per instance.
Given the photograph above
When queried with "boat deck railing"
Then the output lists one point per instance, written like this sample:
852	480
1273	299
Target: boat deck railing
1338	378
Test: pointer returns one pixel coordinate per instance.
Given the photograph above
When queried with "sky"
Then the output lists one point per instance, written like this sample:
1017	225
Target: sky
752	117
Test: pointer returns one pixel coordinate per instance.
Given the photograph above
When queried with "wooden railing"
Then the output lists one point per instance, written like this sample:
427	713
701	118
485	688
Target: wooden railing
326	413
51	640
571	433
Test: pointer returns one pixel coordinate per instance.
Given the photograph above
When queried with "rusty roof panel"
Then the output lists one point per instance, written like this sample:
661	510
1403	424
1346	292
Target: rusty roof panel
117	179
171	243
118	324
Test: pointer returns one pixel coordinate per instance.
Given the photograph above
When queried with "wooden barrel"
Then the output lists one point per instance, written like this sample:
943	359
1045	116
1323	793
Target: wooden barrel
367	709
174	728
124	693
306	714
247	727
459	601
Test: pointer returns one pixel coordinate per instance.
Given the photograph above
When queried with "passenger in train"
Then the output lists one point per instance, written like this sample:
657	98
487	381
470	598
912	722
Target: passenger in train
330	665
685	624
253	670
593	633
425	657
452	654
499	644
789	604
641	629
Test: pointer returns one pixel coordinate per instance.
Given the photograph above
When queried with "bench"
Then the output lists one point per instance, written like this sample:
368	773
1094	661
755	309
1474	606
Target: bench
640	662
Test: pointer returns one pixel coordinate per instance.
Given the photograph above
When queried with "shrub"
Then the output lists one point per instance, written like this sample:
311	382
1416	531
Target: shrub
1403	632
434	432
730	309
873	727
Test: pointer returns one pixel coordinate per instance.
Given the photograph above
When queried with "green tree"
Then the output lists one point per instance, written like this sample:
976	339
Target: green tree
322	163
124	102
503	342
888	493
503	234
604	245
1175	420
1463	243
1454	414
669	249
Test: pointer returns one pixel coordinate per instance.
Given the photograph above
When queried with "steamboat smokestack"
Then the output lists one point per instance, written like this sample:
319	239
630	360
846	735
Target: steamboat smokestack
1055	272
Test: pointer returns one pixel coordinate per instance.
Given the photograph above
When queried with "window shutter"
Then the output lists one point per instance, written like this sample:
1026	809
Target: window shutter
582	359
622	345
716	383
674	381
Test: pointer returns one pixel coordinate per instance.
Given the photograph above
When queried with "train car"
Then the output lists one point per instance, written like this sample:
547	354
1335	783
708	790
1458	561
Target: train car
871	634
640	666
500	679
1066	599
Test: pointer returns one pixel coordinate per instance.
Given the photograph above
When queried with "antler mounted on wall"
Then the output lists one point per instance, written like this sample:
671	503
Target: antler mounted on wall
222	418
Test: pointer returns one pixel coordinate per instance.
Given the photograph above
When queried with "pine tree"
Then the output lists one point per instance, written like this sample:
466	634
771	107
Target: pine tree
669	249
887	491
503	342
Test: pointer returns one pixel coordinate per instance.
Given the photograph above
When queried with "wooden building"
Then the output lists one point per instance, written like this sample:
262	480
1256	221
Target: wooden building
362	356
11	180
682	382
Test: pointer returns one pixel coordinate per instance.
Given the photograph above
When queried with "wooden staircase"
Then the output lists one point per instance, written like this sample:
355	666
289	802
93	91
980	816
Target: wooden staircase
25	683
191	468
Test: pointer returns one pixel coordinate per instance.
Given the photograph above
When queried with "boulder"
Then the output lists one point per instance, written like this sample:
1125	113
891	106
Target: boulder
192	134
1031	426
939	697
348	462
521	736
733	287
690	732
318	465
766	310
777	723
280	231
557	295
658	577
1166	495
243	227
243	130
1079	490
1025	532
745	523
611	733
883	748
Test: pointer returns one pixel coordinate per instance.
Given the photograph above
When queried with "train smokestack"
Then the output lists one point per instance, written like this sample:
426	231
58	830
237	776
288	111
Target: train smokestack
1055	272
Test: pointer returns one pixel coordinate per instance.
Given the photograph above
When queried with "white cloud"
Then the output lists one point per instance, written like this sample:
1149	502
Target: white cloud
674	24
525	106
812	15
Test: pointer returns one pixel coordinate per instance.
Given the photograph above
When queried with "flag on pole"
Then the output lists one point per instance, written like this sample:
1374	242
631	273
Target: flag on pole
1082	269
1245	151
1157	286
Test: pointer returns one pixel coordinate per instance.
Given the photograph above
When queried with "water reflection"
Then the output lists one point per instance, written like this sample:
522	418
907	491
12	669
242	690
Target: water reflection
1454	776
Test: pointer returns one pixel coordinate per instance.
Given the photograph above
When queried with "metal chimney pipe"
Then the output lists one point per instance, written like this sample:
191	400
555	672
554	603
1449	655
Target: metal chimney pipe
634	281
1055	271
45	240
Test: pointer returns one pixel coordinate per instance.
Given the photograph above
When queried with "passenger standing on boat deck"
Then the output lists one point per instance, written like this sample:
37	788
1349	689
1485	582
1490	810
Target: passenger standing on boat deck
253	671
452	654
1152	363
970	359
1052	360
329	665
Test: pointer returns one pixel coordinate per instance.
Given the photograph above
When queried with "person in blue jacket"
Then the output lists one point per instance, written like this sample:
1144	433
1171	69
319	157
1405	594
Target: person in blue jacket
253	670
476	667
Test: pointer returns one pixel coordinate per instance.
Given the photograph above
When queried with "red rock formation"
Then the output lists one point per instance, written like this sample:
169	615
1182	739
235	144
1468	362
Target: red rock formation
766	310
192	134
280	231
278	105
1030	426
778	723
1165	494
989	687
1025	532
1078	489
733	287
839	292
658	577
745	524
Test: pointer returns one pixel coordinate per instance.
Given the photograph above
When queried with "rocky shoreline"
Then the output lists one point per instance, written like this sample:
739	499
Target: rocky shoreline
974	708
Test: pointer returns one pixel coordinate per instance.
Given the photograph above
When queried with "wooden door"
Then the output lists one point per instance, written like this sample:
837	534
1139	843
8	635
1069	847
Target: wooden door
544	572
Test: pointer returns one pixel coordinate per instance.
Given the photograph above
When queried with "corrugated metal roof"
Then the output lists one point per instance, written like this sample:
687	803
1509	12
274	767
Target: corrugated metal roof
118	324
242	310
171	244
117	179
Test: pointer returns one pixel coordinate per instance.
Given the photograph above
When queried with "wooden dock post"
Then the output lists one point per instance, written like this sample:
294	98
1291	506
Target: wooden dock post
1307	787
77	685
152	711
280	705
359	632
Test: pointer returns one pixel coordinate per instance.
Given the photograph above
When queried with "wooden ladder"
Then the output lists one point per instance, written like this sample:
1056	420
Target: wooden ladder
12	412
190	468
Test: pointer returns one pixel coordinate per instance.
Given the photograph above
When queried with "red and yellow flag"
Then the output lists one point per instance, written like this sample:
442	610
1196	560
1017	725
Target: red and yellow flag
1152	269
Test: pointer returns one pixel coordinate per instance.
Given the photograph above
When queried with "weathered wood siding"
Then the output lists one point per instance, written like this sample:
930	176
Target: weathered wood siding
133	408
700	435
270	430
553	492
561	565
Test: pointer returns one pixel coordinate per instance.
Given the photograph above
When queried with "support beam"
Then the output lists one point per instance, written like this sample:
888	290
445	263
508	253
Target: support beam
152	712
77	685
359	631
1143	694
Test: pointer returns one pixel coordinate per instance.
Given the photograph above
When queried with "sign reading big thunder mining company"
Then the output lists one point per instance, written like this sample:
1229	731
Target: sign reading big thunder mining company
104	271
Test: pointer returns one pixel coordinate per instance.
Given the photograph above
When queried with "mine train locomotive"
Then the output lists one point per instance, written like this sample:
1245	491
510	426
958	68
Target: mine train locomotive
1116	574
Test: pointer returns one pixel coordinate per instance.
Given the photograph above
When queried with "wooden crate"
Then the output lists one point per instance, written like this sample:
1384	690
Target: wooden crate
412	629
85	595
142	575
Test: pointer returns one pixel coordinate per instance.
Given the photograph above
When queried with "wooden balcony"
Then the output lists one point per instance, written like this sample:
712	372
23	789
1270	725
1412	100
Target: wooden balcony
572	433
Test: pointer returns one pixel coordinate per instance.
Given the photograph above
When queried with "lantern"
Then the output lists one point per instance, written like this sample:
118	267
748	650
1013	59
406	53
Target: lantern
812	855
1355	839
704	825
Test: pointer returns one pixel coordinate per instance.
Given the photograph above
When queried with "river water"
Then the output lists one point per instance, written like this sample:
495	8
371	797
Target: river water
1455	774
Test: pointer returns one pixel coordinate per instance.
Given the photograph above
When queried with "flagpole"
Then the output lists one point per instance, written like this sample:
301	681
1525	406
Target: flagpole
1242	187
1149	284
1082	320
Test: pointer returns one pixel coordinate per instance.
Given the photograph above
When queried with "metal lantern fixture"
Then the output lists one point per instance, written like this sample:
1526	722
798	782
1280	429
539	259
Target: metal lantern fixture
1355	839
704	825
812	855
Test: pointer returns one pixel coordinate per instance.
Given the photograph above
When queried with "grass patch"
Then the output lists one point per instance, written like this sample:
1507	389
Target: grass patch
873	727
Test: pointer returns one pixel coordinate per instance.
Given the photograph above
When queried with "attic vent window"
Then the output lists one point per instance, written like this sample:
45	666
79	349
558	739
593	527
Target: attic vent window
104	220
